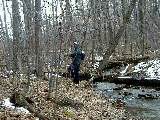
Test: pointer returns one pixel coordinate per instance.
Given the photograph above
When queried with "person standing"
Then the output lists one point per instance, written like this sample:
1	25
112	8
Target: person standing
77	58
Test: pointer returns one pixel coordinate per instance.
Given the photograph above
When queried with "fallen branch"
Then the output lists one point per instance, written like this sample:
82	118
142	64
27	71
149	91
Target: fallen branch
19	100
153	82
121	62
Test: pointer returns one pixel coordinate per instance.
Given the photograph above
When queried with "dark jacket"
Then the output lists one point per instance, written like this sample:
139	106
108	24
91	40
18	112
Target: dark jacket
77	56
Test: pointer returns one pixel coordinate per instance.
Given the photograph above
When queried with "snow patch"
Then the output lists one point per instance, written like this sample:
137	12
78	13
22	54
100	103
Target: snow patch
56	75
124	77
33	77
22	110
6	103
96	65
149	69
98	58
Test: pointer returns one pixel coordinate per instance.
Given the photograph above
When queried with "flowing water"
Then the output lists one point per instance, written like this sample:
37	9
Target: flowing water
147	108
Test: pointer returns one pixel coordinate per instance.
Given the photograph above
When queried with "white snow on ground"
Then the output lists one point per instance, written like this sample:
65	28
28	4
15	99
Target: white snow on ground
150	69
23	110
96	65
33	77
56	75
98	58
124	77
6	103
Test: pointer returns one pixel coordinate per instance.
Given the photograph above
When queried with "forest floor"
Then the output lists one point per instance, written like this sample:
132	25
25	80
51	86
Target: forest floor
71	102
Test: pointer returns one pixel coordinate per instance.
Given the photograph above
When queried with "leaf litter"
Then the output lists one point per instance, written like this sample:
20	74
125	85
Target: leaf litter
71	103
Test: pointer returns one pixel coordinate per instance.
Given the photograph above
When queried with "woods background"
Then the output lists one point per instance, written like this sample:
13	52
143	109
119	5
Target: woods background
36	34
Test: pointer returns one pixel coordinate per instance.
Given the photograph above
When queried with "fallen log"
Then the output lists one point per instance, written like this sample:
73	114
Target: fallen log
150	82
135	60
82	76
19	100
115	64
124	62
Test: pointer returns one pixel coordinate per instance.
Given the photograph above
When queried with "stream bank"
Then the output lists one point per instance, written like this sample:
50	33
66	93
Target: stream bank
74	102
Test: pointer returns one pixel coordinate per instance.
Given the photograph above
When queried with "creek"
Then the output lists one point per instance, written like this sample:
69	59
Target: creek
139	101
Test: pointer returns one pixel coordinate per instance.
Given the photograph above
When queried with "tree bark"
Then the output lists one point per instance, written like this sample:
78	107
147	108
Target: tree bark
16	34
28	29
141	24
38	61
8	45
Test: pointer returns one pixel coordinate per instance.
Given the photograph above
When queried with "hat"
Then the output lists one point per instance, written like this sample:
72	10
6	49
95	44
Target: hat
75	43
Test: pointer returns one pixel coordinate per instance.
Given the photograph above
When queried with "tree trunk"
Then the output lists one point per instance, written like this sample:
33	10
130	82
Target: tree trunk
114	42
16	35
8	45
28	29
141	24
38	61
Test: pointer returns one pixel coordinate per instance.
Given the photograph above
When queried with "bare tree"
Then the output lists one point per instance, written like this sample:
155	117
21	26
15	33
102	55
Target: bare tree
114	42
27	10
38	60
8	46
16	35
141	5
